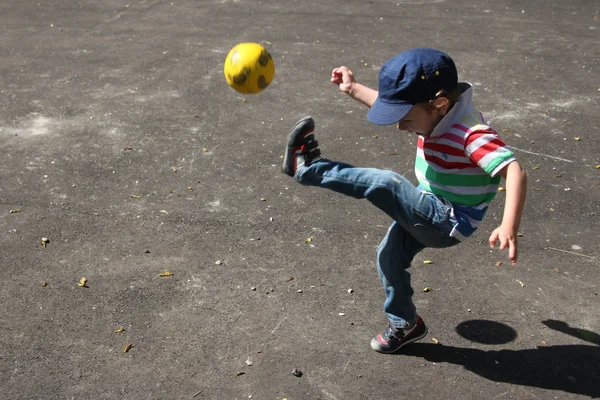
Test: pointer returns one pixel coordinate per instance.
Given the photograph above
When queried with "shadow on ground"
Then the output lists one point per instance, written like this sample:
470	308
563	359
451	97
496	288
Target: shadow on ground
486	332
570	368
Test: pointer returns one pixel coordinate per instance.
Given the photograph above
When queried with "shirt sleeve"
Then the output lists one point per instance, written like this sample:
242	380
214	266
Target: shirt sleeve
488	151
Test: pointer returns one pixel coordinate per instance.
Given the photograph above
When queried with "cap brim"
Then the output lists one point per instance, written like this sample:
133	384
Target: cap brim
386	113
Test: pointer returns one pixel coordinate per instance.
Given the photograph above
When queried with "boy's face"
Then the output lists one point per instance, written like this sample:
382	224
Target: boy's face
421	120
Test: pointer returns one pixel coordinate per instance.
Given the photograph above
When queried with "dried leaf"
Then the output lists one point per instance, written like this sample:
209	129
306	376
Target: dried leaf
190	189
166	273
393	153
535	167
434	340
174	169
15	211
427	262
244	100
505	130
127	348
120	330
501	189
374	136
537	189
164	212
136	196
82	282
598	166
240	373
44	284
519	234
498	263
263	199
204	150
127	148
427	289
308	240
521	283
544	342
577	138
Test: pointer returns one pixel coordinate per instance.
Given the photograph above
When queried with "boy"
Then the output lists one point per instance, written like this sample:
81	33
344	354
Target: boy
459	162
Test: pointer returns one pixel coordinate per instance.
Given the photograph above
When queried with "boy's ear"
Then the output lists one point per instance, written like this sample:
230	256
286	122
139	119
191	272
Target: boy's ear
442	105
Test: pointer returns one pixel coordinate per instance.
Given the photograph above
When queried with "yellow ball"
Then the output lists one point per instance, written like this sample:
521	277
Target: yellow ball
249	68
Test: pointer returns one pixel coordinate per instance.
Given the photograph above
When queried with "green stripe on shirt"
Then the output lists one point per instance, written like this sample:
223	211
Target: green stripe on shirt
449	179
461	199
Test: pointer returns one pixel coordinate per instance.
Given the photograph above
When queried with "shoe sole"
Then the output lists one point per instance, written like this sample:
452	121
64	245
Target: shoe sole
401	346
289	148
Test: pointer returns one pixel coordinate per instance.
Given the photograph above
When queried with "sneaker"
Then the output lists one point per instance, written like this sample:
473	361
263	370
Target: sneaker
393	339
301	148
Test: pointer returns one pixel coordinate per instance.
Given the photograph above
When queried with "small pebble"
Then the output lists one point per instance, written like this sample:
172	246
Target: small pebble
350	291
297	372
299	291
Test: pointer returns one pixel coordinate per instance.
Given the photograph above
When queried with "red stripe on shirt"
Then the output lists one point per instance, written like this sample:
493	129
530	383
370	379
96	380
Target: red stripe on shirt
449	150
487	148
448	165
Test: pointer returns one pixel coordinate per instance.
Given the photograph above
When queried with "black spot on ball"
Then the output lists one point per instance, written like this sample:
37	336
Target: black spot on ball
262	82
264	58
242	77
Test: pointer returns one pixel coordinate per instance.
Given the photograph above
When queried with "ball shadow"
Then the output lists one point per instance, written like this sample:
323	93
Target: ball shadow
486	332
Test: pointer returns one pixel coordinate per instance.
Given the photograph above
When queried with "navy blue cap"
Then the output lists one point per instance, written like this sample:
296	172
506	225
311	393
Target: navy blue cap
411	77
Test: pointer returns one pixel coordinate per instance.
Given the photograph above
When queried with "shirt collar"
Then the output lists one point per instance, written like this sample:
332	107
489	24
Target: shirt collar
463	105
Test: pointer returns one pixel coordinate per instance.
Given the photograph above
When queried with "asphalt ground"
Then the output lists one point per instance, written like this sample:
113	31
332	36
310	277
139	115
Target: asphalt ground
123	145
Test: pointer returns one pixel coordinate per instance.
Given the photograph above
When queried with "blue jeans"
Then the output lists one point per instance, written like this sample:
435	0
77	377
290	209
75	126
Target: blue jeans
420	220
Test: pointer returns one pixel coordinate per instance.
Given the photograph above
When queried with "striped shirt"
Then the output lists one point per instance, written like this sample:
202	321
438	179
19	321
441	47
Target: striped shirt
460	162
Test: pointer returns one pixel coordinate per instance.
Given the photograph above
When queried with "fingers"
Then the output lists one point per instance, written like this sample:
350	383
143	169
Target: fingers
503	243
512	251
336	75
341	75
493	239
